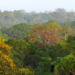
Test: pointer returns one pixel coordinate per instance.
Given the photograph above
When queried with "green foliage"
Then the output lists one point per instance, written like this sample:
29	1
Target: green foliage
52	52
15	17
71	47
5	36
73	24
29	55
61	49
45	66
33	58
17	31
65	65
7	67
53	21
20	50
70	38
48	73
15	57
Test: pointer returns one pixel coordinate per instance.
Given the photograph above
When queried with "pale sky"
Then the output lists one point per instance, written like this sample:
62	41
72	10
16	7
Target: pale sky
36	5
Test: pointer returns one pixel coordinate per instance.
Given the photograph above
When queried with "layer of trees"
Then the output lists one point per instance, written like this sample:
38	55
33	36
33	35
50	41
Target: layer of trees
47	49
17	31
21	30
10	18
7	67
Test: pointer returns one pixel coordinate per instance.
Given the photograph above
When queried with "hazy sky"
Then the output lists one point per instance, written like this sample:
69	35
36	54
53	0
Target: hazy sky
36	5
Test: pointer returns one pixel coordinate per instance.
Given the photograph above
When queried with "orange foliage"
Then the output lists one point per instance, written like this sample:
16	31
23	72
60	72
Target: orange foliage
49	32
40	45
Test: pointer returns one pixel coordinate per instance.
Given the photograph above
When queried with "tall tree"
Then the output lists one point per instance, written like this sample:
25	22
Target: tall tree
47	33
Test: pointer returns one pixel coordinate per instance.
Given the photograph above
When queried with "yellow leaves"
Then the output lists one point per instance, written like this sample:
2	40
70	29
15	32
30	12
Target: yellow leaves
5	59
0	51
0	71
4	48
6	63
12	65
27	71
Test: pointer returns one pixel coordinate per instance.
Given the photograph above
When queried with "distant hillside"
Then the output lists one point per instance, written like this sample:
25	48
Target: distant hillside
17	31
10	18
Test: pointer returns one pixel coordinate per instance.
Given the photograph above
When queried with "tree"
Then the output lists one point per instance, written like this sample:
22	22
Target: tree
6	63
65	65
21	47
54	21
70	38
67	29
45	66
18	30
61	49
47	33
7	67
62	11
73	24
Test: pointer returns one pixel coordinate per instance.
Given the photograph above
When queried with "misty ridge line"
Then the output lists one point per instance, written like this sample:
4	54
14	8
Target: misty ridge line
10	18
60	10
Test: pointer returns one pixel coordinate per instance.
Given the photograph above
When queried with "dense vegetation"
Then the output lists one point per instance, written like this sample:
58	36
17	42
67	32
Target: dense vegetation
40	49
10	18
21	30
17	31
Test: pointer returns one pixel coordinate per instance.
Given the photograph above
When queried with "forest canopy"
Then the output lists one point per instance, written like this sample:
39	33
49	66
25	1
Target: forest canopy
37	44
10	18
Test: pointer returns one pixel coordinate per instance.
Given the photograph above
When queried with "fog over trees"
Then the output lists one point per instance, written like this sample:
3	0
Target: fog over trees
10	18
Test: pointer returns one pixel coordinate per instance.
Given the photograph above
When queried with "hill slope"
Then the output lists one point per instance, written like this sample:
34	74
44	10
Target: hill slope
17	31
